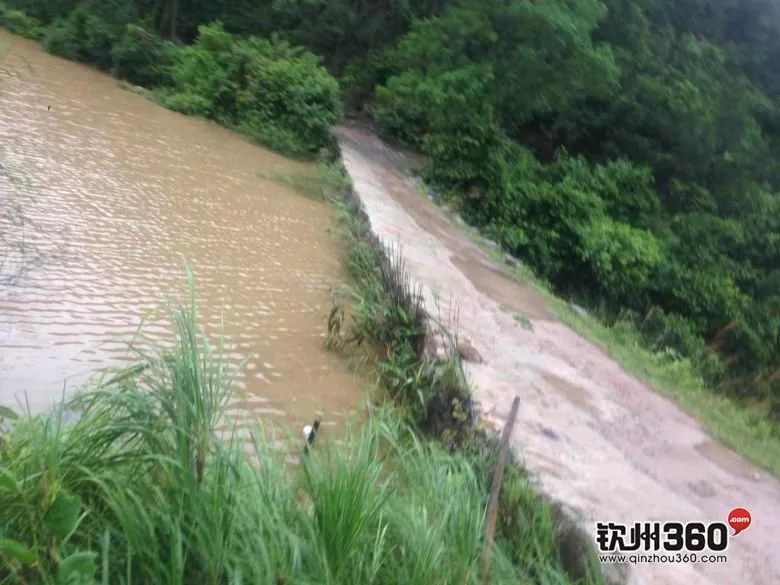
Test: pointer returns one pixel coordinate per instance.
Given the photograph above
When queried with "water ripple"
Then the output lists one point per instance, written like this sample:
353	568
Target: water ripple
103	197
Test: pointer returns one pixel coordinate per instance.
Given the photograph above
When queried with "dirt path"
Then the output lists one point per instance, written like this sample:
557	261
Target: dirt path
593	438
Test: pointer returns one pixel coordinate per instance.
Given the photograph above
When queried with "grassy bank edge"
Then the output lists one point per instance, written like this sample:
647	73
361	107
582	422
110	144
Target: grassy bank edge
747	432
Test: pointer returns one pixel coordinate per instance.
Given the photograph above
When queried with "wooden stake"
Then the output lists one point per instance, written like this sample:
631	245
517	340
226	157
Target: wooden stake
495	490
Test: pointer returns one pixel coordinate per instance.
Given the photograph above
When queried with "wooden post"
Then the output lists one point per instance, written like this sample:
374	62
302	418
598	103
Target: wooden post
495	489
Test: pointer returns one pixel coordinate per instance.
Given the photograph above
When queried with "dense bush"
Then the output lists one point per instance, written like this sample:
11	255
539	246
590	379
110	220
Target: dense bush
142	57
20	23
290	102
81	36
270	90
43	11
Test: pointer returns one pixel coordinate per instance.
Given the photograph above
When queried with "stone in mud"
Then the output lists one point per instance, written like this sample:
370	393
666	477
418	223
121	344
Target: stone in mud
441	355
468	352
576	547
511	260
702	488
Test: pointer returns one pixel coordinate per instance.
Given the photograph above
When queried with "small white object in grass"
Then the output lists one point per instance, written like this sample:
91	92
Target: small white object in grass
307	429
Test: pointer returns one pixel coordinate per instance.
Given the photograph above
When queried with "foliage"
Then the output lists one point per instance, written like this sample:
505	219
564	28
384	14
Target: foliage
81	36
509	45
270	90
43	11
290	101
142	57
20	23
623	259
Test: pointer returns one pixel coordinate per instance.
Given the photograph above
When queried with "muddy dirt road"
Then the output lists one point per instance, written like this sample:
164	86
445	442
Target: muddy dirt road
593	438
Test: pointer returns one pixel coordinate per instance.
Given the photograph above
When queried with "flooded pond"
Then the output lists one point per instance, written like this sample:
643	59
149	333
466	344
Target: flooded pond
104	196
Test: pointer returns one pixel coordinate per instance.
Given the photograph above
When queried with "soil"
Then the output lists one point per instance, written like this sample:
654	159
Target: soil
599	443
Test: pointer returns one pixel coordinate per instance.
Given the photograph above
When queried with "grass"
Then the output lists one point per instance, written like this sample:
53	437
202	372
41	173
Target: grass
131	483
324	182
521	318
749	432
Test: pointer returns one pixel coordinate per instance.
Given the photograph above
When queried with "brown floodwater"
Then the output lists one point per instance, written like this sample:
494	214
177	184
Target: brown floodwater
104	197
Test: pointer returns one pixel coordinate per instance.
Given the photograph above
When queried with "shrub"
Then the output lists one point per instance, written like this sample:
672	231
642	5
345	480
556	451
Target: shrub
416	108
43	11
271	91
60	39
204	76
400	111
20	23
142	57
623	259
534	213
291	101
668	330
81	36
627	189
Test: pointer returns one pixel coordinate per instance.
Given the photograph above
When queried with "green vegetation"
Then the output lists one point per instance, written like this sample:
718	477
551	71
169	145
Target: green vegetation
142	57
20	23
130	482
271	91
387	316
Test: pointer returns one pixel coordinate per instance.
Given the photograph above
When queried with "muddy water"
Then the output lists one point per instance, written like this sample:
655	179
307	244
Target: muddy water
104	195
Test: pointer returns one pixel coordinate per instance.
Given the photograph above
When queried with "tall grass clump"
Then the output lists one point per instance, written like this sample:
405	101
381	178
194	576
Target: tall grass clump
130	481
388	320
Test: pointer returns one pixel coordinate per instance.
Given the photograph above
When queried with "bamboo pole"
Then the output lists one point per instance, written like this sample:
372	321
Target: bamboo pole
495	490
